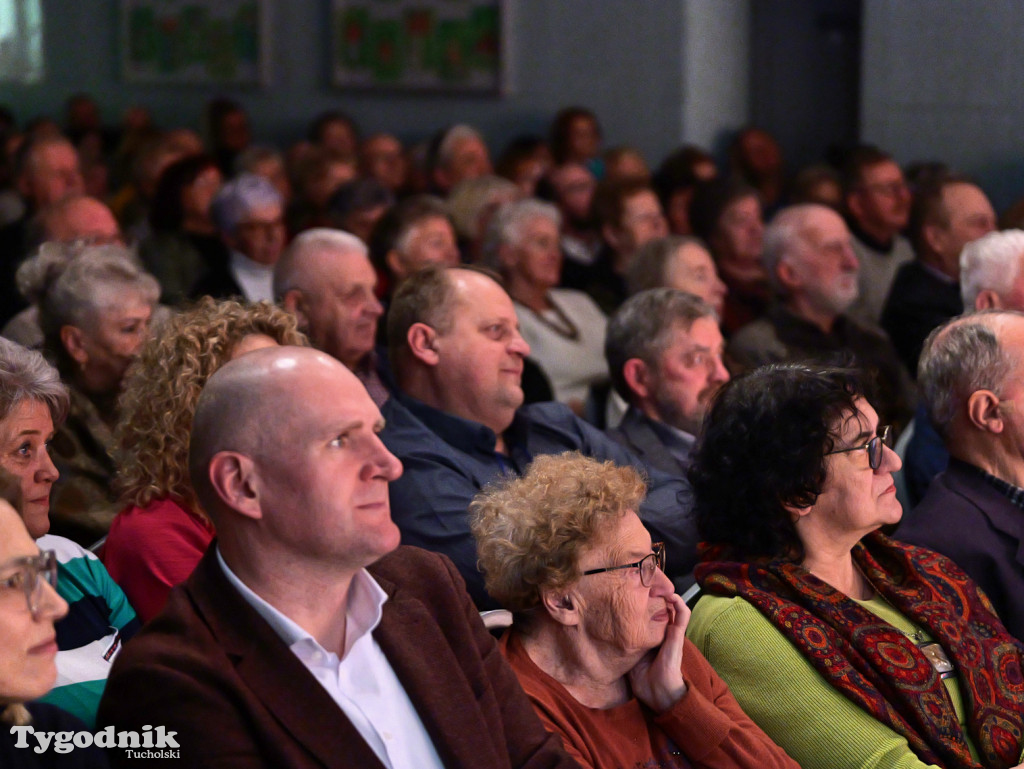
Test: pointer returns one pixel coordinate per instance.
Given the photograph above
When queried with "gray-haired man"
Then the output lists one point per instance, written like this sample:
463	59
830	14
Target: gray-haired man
664	351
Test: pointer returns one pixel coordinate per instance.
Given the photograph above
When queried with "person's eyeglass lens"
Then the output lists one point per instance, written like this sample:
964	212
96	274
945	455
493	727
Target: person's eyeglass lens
32	572
874	447
647	565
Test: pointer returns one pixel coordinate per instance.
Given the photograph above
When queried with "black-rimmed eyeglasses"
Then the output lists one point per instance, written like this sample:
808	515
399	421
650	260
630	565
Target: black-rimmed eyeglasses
874	447
647	565
31	572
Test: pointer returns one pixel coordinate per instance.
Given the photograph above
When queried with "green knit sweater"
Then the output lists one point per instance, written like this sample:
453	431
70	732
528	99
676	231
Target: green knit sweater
778	688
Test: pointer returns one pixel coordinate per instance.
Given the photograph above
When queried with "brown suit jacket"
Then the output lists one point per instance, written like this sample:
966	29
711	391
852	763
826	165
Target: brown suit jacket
211	669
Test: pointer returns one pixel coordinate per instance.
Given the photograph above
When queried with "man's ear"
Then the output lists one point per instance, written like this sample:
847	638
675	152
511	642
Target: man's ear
294	302
987	299
506	256
637	377
395	266
422	341
611	236
935	236
983	411
855	205
788	276
562	606
234	480
73	340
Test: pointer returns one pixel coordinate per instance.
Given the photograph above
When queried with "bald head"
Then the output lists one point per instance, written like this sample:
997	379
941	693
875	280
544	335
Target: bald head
49	171
79	217
287	459
247	406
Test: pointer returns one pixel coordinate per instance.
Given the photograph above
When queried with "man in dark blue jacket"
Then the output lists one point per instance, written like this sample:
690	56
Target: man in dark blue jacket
457	420
972	378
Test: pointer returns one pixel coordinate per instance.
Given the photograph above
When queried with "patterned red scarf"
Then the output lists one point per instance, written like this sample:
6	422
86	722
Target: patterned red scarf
878	667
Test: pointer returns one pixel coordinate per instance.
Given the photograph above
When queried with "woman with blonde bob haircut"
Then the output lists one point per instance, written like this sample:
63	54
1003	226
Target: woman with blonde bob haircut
598	634
159	537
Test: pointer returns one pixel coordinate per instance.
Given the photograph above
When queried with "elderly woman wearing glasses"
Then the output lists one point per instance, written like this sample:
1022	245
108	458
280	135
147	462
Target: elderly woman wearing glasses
598	634
849	649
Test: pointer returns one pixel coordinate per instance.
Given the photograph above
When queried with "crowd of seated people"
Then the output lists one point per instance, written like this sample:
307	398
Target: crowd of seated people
305	412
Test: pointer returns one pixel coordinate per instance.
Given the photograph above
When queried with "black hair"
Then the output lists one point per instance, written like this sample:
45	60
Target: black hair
762	451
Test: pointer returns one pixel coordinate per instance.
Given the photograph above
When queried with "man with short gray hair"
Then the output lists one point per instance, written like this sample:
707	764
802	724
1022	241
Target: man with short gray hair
991	278
813	268
46	170
325	279
992	272
460	153
972	379
664	352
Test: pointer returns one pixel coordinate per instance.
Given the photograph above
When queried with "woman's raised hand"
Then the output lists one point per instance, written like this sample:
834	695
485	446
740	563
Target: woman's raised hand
657	679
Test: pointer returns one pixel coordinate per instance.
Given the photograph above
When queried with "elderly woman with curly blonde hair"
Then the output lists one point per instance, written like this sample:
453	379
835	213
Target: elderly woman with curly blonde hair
598	635
156	541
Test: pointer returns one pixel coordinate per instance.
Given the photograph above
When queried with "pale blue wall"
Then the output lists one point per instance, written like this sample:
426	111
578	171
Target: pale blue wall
943	80
622	58
715	49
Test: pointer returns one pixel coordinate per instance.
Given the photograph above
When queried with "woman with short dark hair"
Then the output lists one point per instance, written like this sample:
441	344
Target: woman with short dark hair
849	649
184	244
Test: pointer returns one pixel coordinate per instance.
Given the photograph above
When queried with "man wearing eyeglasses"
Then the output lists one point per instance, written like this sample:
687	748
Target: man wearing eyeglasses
304	638
972	380
877	208
664	351
813	268
249	213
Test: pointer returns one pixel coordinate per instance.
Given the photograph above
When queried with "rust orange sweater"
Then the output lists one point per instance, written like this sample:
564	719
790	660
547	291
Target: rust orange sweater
706	728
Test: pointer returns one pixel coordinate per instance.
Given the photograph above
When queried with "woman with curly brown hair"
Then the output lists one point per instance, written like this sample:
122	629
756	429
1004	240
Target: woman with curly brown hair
156	541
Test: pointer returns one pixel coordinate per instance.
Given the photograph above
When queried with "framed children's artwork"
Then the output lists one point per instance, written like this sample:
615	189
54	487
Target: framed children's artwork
220	42
420	45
